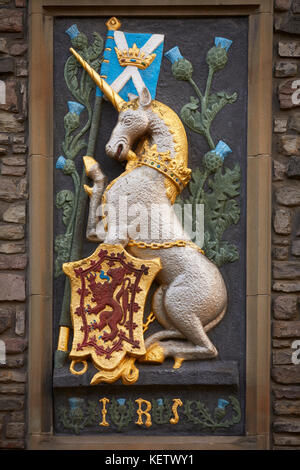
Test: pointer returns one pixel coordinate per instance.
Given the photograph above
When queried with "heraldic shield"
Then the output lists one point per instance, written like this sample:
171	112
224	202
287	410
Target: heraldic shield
108	294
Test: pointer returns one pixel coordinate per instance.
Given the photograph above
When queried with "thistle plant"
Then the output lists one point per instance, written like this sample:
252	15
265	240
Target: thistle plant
225	415
121	412
78	416
80	86
215	185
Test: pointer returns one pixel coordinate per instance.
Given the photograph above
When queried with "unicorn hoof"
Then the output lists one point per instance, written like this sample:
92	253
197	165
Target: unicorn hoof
178	362
89	164
154	354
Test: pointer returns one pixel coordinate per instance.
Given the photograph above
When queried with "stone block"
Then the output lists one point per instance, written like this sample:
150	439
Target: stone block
282	356
5	319
15	345
290	392
280	252
14	161
11	99
288	195
15	430
12	190
286	440
11	404
11	247
12	389
280	124
282	5
296	6
13	261
288	24
20	321
286	375
282	221
7	65
289	144
18	48
8	376
289	48
15	213
295	122
278	170
285	69
9	123
285	307
296	248
17	148
11	231
11	20
286	286
286	329
293	167
12	287
286	270
13	170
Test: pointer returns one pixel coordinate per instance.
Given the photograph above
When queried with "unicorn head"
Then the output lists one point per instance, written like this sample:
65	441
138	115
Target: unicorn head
133	123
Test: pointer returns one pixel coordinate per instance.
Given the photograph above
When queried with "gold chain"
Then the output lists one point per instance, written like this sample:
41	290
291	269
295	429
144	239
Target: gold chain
158	246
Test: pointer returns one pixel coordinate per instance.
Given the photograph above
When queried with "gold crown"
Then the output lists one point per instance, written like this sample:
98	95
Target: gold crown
162	162
134	56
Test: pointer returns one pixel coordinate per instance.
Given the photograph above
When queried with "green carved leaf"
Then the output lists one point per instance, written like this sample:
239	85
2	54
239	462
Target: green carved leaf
62	247
215	103
96	48
75	149
70	72
65	202
191	116
226	184
227	253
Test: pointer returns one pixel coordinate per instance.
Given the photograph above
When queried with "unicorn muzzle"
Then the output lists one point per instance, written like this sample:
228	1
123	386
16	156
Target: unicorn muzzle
118	151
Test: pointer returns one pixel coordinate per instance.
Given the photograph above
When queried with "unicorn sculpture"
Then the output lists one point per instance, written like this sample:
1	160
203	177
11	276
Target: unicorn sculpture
192	296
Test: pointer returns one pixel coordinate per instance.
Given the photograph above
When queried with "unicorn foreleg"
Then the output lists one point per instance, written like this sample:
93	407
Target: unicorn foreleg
92	168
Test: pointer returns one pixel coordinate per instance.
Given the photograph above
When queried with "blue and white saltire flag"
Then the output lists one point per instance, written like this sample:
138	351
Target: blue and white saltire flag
131	79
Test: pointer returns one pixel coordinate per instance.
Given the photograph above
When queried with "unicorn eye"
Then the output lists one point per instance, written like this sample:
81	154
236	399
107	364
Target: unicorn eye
127	121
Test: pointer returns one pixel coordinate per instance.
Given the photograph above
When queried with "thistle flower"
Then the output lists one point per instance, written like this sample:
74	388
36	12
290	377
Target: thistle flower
222	149
60	163
173	54
217	56
66	165
71	119
73	31
223	42
220	410
222	403
75	402
121	401
78	39
182	68
213	159
75	107
160	401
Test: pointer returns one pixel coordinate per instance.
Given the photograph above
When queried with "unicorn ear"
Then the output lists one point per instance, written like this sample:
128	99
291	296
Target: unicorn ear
145	97
132	96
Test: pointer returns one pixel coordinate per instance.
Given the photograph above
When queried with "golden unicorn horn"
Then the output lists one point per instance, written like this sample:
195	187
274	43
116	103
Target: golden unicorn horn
110	94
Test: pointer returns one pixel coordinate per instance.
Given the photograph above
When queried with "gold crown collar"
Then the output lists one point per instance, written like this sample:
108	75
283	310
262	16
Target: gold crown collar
162	162
134	56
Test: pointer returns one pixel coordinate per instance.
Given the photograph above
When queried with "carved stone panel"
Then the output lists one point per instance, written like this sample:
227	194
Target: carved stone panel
150	330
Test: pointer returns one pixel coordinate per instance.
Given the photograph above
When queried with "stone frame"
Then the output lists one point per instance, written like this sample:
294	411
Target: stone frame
258	267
